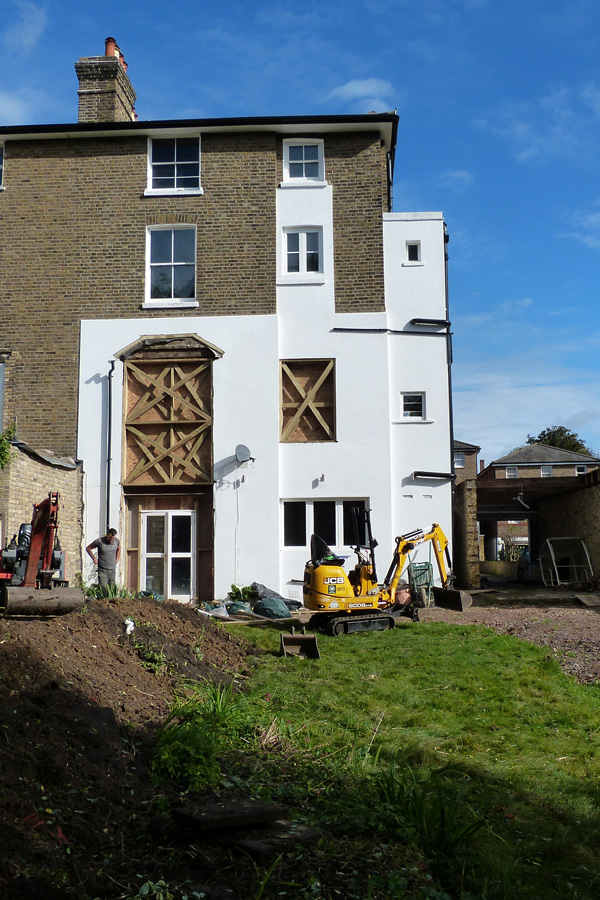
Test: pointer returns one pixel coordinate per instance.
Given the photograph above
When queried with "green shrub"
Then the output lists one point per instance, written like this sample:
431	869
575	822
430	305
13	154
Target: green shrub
187	754
199	726
5	446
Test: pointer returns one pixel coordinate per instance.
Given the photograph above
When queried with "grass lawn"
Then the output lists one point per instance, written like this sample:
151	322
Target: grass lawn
470	749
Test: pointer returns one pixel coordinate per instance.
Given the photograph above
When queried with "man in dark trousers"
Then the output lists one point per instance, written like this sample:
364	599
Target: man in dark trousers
108	553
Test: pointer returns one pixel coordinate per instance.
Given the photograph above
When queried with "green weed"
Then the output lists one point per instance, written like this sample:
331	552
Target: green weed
97	591
161	890
199	726
432	803
152	659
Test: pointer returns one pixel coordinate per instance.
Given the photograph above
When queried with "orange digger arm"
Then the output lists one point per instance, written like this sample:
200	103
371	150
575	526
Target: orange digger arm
406	543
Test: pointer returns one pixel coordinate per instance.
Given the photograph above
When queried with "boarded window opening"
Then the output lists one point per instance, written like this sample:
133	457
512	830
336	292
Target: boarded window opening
307	400
168	422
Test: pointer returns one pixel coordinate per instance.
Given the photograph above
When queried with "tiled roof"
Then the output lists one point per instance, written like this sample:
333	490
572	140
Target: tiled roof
536	454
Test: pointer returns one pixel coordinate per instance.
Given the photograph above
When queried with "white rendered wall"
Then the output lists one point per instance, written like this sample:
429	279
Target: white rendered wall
246	411
376	449
418	363
357	464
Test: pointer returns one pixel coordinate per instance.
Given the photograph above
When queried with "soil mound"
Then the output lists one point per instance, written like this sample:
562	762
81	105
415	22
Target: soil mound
81	697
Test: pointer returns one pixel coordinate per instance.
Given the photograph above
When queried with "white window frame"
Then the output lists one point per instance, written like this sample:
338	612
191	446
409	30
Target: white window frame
545	471
290	180
459	459
303	276
157	302
310	519
168	554
2	162
174	191
580	470
512	471
413	262
406	414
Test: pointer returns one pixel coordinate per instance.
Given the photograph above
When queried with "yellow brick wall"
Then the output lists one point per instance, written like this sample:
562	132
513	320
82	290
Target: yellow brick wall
27	481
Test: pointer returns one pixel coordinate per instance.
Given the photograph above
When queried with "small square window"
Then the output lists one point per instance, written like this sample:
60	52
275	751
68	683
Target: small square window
459	459
546	472
413	406
171	265
303	254
413	251
580	470
303	162
512	472
174	165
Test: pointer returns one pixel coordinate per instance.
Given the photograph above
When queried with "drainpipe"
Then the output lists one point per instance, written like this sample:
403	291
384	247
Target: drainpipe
109	443
449	364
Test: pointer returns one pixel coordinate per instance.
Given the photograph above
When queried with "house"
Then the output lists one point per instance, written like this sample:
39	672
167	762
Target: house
539	461
229	328
465	460
535	492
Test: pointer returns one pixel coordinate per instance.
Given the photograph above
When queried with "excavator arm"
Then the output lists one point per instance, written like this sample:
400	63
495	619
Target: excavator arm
405	544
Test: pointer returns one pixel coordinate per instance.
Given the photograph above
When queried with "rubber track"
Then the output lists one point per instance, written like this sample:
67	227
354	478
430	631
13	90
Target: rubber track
361	623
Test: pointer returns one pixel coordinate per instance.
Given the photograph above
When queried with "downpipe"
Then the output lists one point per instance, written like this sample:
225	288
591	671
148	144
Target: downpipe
109	441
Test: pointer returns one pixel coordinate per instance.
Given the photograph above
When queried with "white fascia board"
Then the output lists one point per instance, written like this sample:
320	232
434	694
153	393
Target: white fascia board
308	126
413	217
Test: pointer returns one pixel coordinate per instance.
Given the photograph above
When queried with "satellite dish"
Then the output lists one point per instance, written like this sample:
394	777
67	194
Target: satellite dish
242	454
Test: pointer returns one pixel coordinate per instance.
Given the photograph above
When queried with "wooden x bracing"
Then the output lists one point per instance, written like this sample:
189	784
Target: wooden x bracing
168	423
314	402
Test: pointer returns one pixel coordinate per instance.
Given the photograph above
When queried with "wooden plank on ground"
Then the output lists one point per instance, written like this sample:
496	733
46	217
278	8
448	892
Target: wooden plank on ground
263	844
218	814
589	599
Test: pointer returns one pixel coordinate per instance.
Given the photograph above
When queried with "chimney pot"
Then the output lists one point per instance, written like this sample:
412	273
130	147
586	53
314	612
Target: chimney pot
105	92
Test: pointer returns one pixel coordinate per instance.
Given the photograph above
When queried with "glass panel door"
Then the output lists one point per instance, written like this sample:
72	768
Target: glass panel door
153	553
167	559
181	554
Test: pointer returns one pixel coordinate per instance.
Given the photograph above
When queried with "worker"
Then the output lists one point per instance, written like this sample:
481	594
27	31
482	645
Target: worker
108	553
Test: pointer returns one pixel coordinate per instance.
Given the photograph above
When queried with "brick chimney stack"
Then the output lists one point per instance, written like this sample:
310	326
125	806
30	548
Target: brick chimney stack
105	92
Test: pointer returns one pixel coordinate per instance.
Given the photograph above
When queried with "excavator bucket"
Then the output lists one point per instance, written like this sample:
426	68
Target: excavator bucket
448	598
303	645
24	602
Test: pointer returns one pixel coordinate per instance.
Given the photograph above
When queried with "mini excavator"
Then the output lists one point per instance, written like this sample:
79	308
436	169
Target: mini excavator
343	603
29	564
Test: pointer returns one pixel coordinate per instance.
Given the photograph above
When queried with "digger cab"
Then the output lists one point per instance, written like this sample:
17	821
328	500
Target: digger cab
320	553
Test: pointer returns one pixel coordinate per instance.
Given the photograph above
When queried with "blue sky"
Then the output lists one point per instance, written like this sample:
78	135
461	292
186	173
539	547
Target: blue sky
499	104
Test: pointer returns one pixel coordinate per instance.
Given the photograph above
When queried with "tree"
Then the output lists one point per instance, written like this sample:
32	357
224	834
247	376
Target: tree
561	437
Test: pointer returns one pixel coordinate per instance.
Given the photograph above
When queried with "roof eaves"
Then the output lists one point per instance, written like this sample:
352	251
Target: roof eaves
386	123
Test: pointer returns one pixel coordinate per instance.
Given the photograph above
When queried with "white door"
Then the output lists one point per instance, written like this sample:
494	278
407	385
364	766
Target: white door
167	560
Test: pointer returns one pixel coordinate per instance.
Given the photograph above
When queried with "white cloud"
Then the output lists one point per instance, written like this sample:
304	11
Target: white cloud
368	93
563	124
15	108
586	227
504	315
497	405
25	32
469	244
455	180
